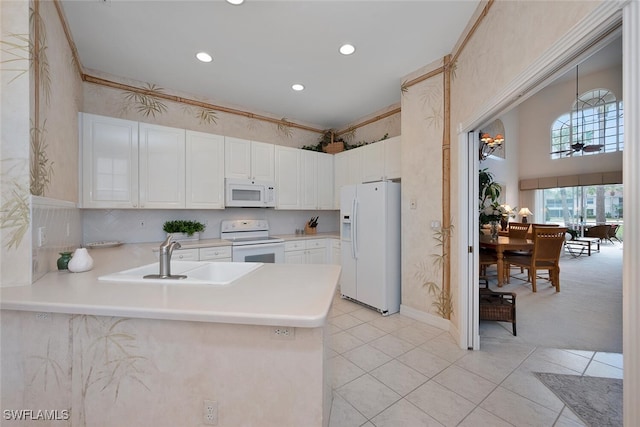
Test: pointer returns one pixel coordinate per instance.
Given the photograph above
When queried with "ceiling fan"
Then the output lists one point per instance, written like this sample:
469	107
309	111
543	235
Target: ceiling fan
580	146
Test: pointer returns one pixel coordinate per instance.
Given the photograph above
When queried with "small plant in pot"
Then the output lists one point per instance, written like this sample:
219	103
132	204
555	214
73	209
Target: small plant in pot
183	230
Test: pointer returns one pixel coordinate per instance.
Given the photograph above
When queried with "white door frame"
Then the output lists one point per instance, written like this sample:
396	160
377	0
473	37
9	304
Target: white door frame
597	29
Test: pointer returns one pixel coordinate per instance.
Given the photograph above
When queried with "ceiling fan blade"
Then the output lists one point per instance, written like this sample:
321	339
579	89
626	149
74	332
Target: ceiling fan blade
592	148
561	151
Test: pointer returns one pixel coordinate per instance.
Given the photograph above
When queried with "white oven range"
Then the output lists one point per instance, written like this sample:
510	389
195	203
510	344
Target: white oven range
250	241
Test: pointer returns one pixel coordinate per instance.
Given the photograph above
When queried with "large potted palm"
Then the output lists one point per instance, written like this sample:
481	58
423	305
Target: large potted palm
490	210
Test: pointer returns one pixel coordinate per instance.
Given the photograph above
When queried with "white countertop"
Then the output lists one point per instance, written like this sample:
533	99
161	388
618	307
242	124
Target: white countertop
273	295
327	235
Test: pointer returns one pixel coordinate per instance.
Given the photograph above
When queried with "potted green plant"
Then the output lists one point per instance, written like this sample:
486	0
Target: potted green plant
490	210
182	230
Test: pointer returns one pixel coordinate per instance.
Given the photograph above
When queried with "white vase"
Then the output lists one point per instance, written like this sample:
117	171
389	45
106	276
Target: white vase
81	261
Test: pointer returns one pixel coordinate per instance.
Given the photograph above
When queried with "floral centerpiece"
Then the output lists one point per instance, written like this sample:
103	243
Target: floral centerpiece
508	212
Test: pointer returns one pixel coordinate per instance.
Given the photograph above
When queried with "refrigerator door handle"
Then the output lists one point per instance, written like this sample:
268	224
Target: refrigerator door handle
354	230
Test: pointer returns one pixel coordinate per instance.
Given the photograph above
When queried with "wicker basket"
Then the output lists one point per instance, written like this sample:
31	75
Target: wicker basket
498	306
334	147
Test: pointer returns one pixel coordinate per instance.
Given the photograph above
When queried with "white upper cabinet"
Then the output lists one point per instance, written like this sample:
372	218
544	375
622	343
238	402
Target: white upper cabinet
204	171
162	167
392	153
287	177
339	176
372	161
347	171
325	181
246	159
381	160
304	179
109	149
263	161
308	179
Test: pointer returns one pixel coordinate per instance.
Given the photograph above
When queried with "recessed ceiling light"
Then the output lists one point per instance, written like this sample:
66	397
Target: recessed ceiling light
297	87
235	2
204	57
347	49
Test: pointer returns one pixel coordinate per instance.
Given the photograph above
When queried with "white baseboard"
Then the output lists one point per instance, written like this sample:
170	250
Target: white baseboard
427	318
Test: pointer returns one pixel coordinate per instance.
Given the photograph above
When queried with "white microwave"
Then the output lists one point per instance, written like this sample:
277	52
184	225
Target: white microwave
248	193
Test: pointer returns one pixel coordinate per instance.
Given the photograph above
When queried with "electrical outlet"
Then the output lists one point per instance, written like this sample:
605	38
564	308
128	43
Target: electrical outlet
43	317
42	236
210	414
283	333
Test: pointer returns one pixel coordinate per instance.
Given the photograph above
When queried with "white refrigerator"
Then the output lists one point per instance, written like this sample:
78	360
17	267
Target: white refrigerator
370	244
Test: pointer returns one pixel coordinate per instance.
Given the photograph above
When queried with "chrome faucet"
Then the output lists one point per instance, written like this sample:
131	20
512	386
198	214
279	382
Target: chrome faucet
166	250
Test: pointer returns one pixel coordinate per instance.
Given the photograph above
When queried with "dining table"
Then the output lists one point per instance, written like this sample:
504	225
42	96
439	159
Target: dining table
502	244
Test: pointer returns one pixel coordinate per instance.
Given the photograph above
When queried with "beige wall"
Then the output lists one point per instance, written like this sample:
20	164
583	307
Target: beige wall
115	102
422	127
15	252
537	114
489	62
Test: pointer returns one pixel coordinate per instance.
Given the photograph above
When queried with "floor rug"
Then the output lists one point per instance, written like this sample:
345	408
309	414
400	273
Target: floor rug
597	401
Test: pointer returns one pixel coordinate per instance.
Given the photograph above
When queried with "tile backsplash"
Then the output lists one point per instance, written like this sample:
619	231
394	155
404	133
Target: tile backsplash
64	227
56	227
140	225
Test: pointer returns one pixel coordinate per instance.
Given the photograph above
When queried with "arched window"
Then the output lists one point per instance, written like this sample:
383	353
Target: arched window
593	126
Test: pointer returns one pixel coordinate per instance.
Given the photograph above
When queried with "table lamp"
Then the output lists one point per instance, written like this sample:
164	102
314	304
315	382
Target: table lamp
524	213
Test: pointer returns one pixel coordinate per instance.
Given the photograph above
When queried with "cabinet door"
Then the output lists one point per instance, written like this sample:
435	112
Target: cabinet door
308	179
372	157
317	256
204	171
336	255
216	253
162	173
339	176
325	181
392	158
109	162
354	166
294	257
237	158
185	255
262	161
287	177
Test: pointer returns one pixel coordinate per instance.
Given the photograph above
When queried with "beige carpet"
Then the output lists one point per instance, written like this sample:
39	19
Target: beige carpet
597	401
585	315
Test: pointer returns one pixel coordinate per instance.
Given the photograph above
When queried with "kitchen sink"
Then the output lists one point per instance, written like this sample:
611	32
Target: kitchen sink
197	272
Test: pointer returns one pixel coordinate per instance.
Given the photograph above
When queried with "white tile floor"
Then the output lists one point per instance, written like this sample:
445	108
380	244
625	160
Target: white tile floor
395	371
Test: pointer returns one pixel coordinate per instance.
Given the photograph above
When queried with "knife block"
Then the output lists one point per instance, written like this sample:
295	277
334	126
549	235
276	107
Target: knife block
309	230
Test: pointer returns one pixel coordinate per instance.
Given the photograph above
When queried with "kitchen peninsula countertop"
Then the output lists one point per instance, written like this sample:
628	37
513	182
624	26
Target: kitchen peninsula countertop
273	295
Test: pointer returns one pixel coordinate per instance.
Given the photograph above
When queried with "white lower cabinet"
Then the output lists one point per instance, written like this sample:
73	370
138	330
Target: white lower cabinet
336	252
185	255
308	251
216	253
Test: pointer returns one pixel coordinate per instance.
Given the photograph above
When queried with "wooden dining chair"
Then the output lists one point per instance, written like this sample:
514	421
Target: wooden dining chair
517	230
547	245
